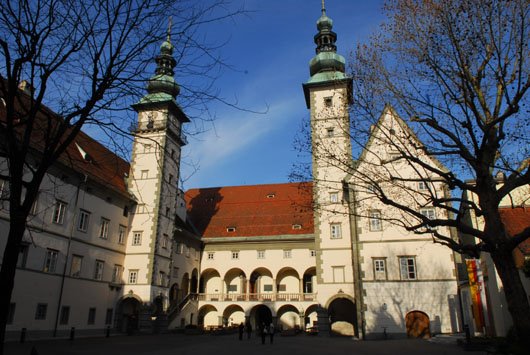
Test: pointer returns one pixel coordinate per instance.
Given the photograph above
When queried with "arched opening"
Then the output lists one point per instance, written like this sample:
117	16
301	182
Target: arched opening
209	317
260	315
127	315
260	284
288	317
418	325
194	281
234	315
309	281
211	284
235	281
173	295
343	317
311	318
185	289
288	284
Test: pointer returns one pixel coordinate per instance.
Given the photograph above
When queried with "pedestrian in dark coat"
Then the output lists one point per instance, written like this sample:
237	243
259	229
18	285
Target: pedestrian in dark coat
241	328
271	332
248	327
263	332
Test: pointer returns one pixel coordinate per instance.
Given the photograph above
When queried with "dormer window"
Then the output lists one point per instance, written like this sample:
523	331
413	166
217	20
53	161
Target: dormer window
297	226
271	195
230	229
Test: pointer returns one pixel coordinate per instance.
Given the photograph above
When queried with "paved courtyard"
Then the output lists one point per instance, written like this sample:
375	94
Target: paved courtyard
230	345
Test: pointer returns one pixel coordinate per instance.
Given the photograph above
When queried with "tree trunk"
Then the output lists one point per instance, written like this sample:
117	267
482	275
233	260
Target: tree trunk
17	227
515	293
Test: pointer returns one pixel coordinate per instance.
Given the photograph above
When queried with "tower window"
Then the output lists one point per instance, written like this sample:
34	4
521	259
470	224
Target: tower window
330	132
328	101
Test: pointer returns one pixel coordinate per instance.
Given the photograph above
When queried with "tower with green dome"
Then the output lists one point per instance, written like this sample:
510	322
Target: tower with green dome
328	95
153	181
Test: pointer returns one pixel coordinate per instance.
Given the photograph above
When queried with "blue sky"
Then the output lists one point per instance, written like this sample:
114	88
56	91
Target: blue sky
269	50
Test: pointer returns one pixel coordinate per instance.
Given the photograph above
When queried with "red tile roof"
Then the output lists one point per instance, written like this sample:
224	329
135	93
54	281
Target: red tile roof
516	220
102	165
258	210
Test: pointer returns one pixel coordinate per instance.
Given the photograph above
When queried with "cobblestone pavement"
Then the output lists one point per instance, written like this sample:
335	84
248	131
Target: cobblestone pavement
229	345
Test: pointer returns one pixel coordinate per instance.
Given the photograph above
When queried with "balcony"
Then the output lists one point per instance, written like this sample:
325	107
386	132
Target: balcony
257	297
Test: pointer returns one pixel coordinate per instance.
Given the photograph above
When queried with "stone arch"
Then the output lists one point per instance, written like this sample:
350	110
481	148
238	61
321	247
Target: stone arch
288	280
343	315
260	282
185	285
418	324
174	294
208	316
309	280
288	317
235	281
234	314
194	281
311	316
260	314
128	312
210	282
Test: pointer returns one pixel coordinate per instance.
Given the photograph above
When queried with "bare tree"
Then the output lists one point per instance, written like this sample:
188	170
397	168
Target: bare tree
458	72
84	63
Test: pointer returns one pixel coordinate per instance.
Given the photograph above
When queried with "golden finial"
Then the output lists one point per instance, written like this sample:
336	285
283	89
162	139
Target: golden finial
169	29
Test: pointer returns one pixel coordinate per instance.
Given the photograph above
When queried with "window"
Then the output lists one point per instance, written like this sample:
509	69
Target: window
125	211
297	226
211	255
175	272
179	248
334	197
282	288
407	267
235	254
422	186
230	229
104	228
144	174
140	208
232	288
117	273
187	251
133	276
98	270
328	101
108	316
165	241
267	288
91	315
161	278
59	211
261	254
330	132
287	254
22	255
40	312
312	253
11	312
50	261
75	267
336	232
379	269
65	315
137	238
122	232
429	213
82	222
338	274
147	148
375	221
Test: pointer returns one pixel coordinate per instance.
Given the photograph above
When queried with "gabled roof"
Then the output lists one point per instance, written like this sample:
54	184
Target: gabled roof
257	210
84	155
516	220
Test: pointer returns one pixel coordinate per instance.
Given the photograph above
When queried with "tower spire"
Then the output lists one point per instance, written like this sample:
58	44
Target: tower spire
168	38
323	8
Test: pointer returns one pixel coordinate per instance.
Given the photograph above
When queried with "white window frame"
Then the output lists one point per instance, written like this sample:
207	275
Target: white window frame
235	254
376	223
104	228
76	265
161	278
423	186
379	268
430	213
83	220
122	233
261	254
98	270
59	212
335	231
330	132
407	268
287	253
144	174
133	277
165	241
334	197
50	260
117	274
137	238
312	253
211	255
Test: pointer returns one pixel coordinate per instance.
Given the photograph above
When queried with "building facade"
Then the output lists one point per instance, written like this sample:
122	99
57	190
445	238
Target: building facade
316	255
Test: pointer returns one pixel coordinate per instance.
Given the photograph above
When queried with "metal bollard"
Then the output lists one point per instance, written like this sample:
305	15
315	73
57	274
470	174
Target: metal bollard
107	333
23	335
72	333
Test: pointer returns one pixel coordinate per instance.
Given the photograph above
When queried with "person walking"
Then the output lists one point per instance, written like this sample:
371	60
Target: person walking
241	328
263	332
248	327
271	332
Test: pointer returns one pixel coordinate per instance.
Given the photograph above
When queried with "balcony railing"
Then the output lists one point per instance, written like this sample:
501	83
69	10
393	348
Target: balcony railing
257	297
